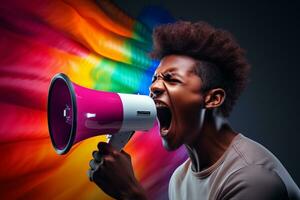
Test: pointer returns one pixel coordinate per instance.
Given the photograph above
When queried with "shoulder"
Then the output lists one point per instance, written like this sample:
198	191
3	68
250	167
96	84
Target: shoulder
178	177
254	182
180	172
254	153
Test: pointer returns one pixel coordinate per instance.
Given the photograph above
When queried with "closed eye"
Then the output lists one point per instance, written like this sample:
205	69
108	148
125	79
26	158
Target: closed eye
169	78
174	80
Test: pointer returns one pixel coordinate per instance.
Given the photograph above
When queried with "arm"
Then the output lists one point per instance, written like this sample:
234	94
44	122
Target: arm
254	182
112	171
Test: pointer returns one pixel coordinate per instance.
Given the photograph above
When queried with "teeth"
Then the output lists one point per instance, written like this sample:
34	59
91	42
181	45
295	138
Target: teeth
164	132
160	105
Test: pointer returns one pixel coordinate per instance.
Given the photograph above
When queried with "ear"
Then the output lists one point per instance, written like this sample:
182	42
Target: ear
214	98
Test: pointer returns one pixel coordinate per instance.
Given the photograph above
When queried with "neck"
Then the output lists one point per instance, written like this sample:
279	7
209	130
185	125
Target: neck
211	143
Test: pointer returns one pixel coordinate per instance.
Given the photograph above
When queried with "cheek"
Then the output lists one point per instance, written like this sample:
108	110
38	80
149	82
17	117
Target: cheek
190	118
188	108
188	102
184	95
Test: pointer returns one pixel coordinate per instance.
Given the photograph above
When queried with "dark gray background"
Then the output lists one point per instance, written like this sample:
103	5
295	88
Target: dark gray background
268	110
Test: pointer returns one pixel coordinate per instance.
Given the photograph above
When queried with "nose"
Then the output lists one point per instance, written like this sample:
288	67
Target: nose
157	88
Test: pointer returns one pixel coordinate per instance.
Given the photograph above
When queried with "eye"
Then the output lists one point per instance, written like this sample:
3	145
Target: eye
174	80
168	77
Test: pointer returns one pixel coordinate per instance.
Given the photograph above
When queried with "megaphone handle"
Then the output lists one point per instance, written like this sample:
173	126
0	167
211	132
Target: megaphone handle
119	140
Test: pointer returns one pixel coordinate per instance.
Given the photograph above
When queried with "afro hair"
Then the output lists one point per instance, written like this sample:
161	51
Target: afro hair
221	61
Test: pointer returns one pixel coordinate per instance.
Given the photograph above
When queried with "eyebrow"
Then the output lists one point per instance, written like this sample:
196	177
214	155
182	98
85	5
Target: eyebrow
172	73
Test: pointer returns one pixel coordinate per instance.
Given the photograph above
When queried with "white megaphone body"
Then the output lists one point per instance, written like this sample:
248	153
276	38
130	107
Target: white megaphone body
76	113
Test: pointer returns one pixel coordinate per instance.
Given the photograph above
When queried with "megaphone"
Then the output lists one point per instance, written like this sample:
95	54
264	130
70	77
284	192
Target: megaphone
76	113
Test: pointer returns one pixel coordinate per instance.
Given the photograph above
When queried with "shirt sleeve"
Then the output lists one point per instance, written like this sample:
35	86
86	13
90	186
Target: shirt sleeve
253	182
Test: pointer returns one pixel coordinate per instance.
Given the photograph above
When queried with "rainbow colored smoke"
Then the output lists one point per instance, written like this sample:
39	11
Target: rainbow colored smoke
98	46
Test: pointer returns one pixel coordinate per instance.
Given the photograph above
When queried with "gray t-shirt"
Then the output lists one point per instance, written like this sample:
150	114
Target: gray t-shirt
246	171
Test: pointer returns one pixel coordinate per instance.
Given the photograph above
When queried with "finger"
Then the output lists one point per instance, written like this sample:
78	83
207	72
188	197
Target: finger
106	149
90	174
95	175
93	154
97	156
93	164
101	146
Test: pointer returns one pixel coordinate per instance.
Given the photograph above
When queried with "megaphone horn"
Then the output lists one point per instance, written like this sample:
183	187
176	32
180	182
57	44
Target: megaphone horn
76	113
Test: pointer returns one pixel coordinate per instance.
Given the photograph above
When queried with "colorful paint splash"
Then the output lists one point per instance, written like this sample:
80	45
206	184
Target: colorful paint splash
98	46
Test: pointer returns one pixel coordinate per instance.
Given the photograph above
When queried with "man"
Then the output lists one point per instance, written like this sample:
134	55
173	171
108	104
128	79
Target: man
201	74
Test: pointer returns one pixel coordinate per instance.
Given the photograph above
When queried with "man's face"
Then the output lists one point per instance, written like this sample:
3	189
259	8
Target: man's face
176	90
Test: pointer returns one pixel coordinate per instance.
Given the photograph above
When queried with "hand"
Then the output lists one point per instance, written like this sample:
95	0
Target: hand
112	171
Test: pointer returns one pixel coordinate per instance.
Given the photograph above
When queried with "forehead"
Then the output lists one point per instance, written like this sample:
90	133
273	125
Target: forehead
176	63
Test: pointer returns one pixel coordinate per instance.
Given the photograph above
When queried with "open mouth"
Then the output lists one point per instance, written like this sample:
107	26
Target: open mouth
164	115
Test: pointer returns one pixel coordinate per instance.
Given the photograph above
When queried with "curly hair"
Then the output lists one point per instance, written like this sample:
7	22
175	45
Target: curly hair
220	60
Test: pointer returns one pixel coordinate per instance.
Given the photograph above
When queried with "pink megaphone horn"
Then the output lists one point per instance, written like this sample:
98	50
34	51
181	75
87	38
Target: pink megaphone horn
76	113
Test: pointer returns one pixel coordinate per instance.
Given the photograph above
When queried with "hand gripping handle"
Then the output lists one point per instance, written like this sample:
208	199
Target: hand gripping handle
119	140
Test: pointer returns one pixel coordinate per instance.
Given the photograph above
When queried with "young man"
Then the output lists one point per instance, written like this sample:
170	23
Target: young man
201	74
